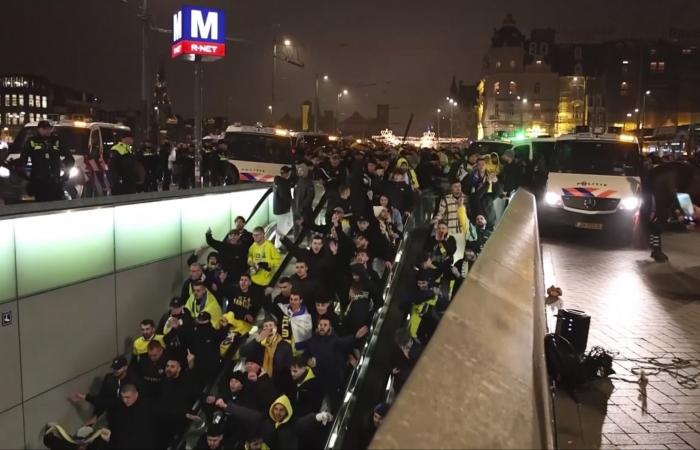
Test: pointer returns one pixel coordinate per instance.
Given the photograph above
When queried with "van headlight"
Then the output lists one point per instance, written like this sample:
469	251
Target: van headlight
630	203
4	172
73	172
552	199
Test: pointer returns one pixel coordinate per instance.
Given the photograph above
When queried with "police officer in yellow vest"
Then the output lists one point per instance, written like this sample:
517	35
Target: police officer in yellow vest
121	166
45	152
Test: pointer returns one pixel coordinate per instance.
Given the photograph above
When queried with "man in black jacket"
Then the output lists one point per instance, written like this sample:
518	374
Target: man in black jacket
177	326
233	252
309	288
308	394
174	403
304	193
110	390
151	370
134	422
282	204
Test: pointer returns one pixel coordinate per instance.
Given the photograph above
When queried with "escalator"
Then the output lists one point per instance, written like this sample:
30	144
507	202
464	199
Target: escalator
260	216
367	384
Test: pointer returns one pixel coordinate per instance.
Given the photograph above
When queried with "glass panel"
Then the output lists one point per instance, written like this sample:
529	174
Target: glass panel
146	232
200	213
263	216
8	288
56	250
243	202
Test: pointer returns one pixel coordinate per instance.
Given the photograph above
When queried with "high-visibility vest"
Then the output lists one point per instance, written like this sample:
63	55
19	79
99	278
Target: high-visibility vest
122	148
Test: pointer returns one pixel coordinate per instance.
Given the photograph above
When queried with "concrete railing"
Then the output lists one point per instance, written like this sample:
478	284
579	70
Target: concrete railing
482	382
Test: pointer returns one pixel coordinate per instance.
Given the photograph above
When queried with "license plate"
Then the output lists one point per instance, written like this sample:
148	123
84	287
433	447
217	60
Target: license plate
589	225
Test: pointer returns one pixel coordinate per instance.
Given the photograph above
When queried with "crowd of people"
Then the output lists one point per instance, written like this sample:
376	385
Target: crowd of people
294	339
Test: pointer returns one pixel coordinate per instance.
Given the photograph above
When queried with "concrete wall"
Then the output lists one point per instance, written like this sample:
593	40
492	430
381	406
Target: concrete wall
70	317
481	381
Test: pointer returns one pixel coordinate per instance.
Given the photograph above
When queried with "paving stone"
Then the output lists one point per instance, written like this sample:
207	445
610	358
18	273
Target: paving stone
682	408
675	417
667	427
655	438
693	439
619	438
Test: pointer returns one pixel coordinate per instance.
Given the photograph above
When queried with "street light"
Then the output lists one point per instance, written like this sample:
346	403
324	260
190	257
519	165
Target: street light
453	104
344	92
269	109
287	43
643	121
317	107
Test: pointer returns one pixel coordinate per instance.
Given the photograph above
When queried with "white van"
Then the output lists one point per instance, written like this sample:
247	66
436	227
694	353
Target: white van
594	183
88	142
256	153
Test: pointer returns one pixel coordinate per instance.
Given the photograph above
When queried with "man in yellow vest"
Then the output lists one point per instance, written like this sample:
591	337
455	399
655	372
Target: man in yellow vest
121	166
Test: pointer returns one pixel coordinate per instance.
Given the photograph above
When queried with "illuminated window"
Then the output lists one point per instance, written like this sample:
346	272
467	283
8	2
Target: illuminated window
14	99
30	100
662	66
45	117
653	66
21	100
625	62
7	99
512	64
652	51
498	64
538	62
537	88
31	117
44	103
537	106
687	51
512	87
497	87
37	101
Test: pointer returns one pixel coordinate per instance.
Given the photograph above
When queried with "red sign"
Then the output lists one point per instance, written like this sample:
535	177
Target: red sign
198	48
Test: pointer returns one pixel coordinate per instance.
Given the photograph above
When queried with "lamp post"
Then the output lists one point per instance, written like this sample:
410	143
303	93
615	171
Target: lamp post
643	122
522	114
453	104
157	110
287	43
344	92
438	128
317	108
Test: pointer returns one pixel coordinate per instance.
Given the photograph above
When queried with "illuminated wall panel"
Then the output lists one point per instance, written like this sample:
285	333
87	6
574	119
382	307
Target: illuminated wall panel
8	288
146	232
64	248
242	203
200	213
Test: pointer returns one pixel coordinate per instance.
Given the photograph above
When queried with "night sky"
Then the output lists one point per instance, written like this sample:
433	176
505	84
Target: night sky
406	50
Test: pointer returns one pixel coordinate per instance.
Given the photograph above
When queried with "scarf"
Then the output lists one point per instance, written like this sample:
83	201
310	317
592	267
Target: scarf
270	345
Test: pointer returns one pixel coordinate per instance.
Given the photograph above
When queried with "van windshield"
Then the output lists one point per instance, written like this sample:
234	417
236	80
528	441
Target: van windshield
598	158
259	148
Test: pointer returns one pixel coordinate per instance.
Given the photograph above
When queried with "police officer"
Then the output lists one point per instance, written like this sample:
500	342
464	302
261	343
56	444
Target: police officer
121	167
149	161
45	152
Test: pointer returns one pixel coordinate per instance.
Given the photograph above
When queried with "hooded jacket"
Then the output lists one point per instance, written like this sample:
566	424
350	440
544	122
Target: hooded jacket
278	435
210	305
265	253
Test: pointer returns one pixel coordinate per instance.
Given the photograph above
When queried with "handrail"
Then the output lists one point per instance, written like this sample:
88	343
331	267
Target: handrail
358	375
487	354
229	359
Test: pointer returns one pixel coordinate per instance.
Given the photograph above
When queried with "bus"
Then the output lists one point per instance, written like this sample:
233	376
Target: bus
255	153
594	183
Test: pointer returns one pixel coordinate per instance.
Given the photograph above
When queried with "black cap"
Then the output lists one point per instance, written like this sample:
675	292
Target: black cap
119	362
44	124
362	219
240	376
175	302
203	316
215	429
285	169
422	275
257	355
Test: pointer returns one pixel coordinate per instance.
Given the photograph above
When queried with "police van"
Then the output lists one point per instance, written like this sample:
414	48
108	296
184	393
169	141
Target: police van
256	153
594	183
88	142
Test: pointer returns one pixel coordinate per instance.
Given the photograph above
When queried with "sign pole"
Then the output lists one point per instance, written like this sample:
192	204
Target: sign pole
198	119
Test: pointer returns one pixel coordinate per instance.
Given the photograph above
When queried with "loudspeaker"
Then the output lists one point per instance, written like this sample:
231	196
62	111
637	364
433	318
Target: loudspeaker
573	325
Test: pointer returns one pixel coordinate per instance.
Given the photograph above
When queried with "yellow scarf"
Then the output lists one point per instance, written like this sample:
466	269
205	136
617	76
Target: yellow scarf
270	345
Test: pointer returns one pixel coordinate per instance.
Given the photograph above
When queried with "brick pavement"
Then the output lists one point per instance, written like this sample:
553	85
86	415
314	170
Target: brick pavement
639	309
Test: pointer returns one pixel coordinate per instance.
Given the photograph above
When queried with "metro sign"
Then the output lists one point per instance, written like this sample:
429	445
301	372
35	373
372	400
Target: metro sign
199	31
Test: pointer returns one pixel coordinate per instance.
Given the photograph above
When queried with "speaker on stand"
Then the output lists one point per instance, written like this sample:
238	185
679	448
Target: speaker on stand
573	325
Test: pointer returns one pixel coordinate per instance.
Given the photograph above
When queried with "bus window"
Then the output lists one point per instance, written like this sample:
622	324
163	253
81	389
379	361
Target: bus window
259	148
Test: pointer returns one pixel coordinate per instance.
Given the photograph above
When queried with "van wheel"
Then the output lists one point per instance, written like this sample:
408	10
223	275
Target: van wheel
231	176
